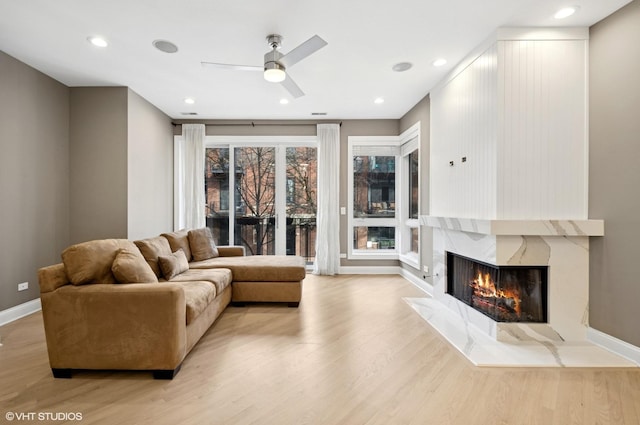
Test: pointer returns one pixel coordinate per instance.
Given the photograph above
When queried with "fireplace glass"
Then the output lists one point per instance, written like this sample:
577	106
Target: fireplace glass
504	293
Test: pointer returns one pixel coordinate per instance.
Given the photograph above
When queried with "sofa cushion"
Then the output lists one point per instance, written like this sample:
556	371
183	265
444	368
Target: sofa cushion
151	249
220	278
130	266
198	295
202	244
258	268
90	262
179	240
173	264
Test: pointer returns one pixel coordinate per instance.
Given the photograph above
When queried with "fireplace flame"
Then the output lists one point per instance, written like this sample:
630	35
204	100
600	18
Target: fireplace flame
485	289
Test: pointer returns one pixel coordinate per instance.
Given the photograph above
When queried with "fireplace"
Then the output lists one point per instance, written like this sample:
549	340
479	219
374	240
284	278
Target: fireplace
503	293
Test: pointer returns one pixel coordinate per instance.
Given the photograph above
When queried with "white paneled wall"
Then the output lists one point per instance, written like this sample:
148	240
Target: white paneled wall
518	113
542	148
464	125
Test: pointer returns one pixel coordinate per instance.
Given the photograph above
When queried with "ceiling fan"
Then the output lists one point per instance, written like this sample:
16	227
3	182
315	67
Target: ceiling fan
276	64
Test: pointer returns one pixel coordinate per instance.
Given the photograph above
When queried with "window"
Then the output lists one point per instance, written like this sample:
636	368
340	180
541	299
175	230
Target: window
216	186
272	185
372	197
383	199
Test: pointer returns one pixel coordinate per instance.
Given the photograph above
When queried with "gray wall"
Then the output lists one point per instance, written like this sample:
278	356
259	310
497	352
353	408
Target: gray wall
98	163
614	175
121	162
421	113
150	170
34	176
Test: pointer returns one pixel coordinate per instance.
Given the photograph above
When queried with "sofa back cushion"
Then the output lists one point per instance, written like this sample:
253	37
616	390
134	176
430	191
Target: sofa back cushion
202	245
151	249
174	264
130	266
179	240
90	262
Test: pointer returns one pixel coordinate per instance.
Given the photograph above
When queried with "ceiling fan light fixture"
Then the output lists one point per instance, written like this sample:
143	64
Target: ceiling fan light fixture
274	72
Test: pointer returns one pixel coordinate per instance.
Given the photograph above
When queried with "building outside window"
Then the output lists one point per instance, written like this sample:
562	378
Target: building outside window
274	194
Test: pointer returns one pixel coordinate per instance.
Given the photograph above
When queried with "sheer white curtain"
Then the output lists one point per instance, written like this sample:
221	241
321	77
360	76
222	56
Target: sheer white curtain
327	261
189	178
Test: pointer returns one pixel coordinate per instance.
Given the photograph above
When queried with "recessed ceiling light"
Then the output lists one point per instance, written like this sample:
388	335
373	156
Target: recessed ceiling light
189	101
402	66
284	101
439	62
97	41
165	46
378	100
565	12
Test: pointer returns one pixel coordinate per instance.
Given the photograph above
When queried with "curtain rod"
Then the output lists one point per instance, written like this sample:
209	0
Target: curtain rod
253	124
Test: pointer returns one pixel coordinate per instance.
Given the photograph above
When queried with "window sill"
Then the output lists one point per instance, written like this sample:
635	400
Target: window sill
372	255
411	259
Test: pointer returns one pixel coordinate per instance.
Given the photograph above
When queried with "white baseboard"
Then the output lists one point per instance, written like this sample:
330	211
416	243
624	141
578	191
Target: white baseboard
21	310
614	345
421	284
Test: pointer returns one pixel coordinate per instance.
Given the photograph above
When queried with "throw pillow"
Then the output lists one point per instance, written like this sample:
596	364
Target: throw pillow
179	240
90	262
202	245
151	249
130	267
174	264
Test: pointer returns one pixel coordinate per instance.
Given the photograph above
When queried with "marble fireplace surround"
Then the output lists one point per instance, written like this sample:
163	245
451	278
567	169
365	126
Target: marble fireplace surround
563	246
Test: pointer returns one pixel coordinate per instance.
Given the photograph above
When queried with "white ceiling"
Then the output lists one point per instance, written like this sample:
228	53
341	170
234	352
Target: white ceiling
365	39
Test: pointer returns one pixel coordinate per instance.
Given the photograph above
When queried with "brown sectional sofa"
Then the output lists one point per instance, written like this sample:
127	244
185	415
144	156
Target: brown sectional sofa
95	319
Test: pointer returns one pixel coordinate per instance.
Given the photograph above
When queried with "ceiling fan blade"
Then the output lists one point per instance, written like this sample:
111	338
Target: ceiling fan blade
292	87
231	66
307	48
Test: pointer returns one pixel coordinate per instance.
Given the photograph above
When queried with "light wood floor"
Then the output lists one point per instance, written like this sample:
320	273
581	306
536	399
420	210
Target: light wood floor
353	353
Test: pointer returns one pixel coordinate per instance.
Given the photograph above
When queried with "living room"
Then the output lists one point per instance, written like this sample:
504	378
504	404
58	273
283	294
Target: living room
97	162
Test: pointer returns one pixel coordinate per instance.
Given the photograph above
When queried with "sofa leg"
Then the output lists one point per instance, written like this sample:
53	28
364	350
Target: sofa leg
166	374
61	373
293	305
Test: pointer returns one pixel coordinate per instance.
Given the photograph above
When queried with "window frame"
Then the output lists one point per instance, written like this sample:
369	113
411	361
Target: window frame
374	146
409	143
231	142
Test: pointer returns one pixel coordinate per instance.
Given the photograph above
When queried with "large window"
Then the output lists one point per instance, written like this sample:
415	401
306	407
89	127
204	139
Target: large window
273	183
372	197
384	187
374	201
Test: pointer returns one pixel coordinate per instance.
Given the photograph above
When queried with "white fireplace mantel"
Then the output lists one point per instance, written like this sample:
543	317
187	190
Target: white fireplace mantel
516	227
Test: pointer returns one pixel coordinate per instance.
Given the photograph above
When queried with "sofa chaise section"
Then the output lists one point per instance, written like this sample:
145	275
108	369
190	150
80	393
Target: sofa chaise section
261	278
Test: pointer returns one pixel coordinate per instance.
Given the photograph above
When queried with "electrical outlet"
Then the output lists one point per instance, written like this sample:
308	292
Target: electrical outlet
425	269
23	286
